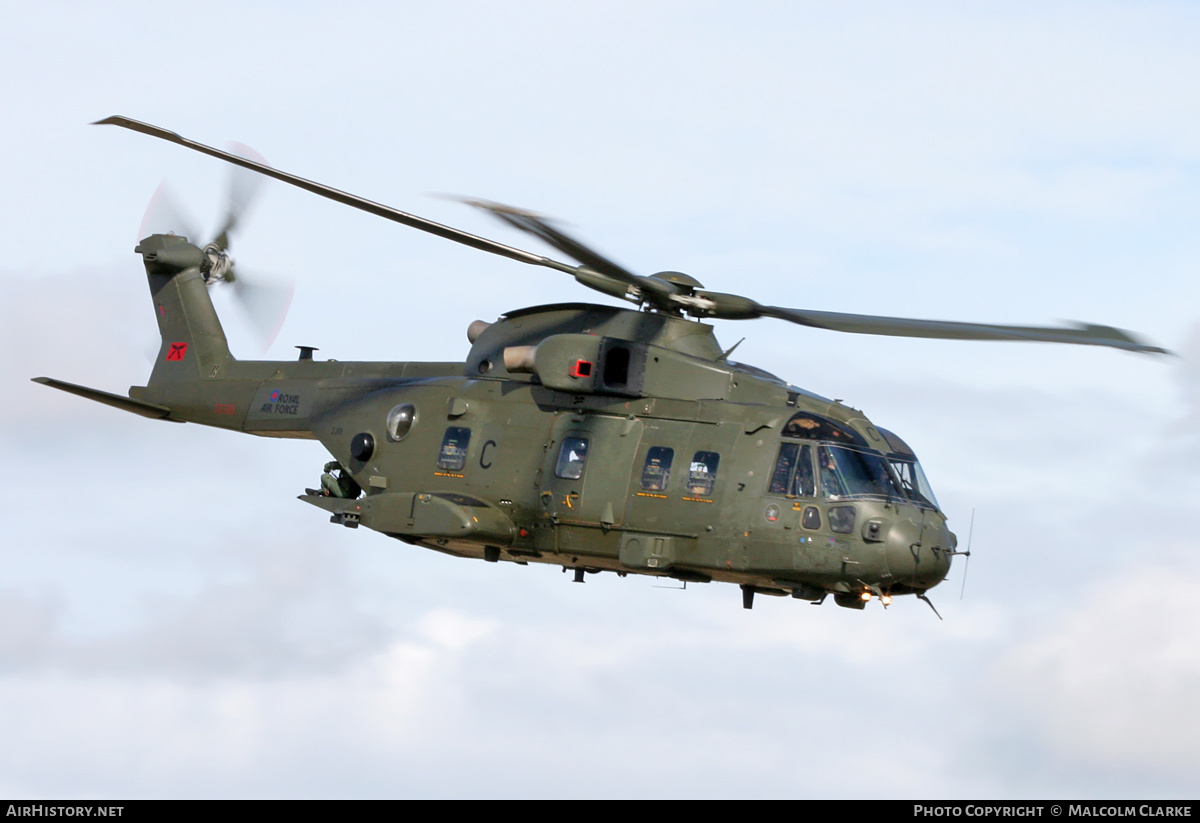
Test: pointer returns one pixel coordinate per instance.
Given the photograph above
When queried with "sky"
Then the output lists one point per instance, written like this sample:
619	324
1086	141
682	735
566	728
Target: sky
174	623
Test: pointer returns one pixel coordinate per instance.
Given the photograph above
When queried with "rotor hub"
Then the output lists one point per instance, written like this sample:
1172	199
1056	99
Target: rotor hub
219	264
678	278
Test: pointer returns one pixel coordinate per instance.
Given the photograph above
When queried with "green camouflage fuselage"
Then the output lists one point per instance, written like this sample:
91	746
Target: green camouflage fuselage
590	437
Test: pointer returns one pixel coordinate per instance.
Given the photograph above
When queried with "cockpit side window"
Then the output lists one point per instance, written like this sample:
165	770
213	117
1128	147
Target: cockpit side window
793	471
785	465
572	457
908	470
913	480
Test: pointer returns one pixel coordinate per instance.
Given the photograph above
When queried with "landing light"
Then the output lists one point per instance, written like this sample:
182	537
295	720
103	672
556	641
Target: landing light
866	597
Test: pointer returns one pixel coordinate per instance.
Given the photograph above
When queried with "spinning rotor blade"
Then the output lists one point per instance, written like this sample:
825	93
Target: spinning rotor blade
668	291
735	307
243	189
1084	334
345	198
265	303
544	230
165	216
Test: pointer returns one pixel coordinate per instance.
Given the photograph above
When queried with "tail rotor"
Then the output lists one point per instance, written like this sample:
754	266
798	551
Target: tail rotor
262	300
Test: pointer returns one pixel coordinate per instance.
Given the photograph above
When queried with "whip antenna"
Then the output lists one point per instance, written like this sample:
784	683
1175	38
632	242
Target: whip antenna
967	554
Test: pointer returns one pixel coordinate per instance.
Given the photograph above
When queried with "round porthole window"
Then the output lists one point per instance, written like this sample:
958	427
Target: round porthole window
400	420
362	446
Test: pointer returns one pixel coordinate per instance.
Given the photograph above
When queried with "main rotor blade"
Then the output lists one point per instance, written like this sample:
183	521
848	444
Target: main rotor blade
1084	334
345	198
544	230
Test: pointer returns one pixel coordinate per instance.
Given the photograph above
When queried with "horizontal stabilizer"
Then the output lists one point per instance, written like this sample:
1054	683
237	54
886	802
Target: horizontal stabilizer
124	403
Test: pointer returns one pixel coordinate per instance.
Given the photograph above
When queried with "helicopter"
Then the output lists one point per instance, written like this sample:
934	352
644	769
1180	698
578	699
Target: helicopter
592	437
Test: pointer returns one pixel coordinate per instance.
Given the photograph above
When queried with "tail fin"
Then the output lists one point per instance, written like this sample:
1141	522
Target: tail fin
193	352
194	347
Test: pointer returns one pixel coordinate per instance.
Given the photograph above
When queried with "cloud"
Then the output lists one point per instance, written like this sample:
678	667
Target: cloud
153	736
175	624
1188	377
1112	681
269	613
93	326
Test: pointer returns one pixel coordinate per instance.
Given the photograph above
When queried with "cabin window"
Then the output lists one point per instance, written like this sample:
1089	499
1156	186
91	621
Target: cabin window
571	458
400	420
454	449
793	471
702	475
656	472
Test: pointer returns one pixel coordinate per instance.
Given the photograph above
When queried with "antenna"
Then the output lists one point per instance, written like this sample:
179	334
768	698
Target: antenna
928	602
967	554
725	354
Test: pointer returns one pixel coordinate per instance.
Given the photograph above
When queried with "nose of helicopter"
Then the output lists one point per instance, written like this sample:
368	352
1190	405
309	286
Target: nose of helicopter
918	553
